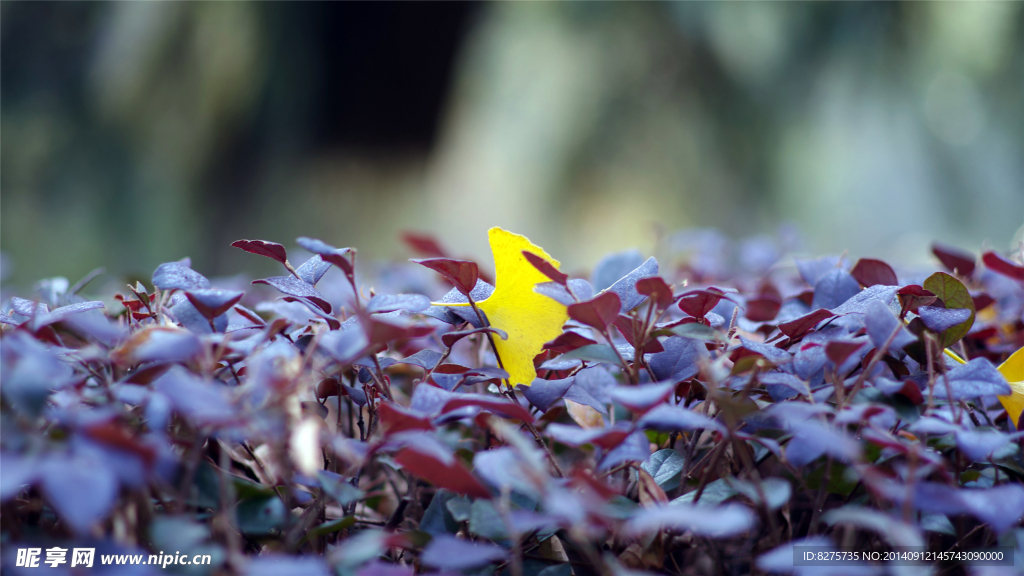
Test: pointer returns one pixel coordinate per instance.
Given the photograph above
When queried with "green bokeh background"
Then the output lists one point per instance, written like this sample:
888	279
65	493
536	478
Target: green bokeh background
136	133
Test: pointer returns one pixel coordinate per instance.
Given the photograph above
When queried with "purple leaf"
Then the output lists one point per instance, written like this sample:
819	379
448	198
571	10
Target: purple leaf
775	355
939	319
640	398
28	308
635	448
596	382
281	565
544	393
666	418
17	473
336	256
779	560
425	359
556	292
1000	507
158	345
313	270
347	344
294	287
391	302
608	437
972	380
178	276
202	401
681	359
897	532
834	288
191	318
615	266
812	438
213	302
978	445
625	287
451	553
459	314
63	313
813	270
715	522
784	379
82	489
880	323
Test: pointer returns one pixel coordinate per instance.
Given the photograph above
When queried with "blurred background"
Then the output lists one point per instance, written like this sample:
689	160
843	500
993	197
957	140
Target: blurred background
138	133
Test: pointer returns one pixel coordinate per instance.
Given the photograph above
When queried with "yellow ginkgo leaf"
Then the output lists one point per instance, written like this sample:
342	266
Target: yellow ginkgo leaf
1013	371
530	319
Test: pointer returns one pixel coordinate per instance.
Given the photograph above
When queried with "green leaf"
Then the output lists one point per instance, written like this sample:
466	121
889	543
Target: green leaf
486	521
714	494
246	489
338	488
436	518
330	527
842	481
592	353
665	466
697	331
459	508
261	516
953	294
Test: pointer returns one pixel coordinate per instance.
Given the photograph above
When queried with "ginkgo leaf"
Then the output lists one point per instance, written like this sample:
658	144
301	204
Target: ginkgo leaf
530	319
1013	371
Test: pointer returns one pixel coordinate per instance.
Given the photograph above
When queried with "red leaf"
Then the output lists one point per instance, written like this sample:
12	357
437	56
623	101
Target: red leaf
263	248
380	333
838	351
802	325
568	341
502	407
913	296
982	301
698	303
870	272
328	387
450	369
599	312
912	392
452	476
997	263
424	244
546	268
954	259
398	419
450	338
462	274
657	289
763	309
117	436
